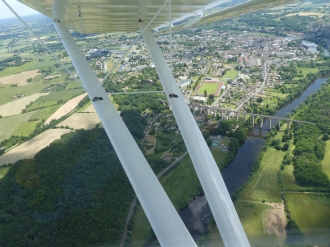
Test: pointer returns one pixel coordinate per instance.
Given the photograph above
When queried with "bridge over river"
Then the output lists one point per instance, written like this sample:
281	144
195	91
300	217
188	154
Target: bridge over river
227	113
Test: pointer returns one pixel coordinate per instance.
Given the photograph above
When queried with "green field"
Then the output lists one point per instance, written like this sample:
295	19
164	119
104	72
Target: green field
37	105
60	95
326	160
306	71
288	179
312	216
230	74
25	128
210	88
73	84
17	69
6	91
45	113
219	156
281	95
264	185
3	171
12	123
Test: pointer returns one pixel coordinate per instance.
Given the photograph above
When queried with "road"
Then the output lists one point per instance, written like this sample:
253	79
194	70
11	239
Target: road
133	204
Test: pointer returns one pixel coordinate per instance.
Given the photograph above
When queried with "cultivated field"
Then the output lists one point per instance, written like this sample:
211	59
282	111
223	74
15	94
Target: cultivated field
19	79
10	124
211	88
17	69
90	108
26	128
6	91
66	108
28	149
81	121
16	107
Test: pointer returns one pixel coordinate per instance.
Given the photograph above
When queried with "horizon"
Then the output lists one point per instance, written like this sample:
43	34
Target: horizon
20	8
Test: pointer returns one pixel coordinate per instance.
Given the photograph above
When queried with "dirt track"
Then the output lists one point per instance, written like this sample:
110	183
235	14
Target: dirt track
28	149
66	108
20	78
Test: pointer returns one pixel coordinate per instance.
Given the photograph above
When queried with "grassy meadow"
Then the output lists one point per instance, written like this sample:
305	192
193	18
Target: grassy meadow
3	171
326	160
312	214
230	74
264	185
288	179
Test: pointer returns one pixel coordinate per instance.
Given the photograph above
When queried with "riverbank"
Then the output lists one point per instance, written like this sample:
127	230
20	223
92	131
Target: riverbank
197	215
266	177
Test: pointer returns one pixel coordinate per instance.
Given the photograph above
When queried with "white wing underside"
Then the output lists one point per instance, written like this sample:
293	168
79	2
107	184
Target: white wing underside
111	16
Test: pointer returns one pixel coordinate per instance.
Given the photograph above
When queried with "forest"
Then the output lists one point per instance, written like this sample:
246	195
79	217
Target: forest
72	193
308	154
316	108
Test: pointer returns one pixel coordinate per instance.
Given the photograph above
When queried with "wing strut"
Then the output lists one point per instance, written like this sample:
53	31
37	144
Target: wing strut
223	210
161	213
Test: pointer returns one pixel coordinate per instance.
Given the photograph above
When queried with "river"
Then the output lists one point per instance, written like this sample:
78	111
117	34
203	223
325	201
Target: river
197	215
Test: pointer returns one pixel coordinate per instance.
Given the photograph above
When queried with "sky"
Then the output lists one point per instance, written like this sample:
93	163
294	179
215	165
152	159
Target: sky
20	8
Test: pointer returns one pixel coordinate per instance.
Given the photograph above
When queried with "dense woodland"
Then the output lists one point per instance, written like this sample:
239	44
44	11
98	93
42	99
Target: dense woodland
73	193
308	154
317	109
309	139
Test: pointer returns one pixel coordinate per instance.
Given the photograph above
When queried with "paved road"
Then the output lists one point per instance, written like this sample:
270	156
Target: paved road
133	204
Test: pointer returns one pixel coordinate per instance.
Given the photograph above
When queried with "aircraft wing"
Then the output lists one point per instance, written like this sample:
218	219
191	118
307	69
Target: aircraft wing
110	16
231	12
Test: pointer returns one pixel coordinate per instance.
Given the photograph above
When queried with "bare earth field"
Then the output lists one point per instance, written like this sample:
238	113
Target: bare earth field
274	221
66	108
89	109
81	121
20	78
28	149
16	107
